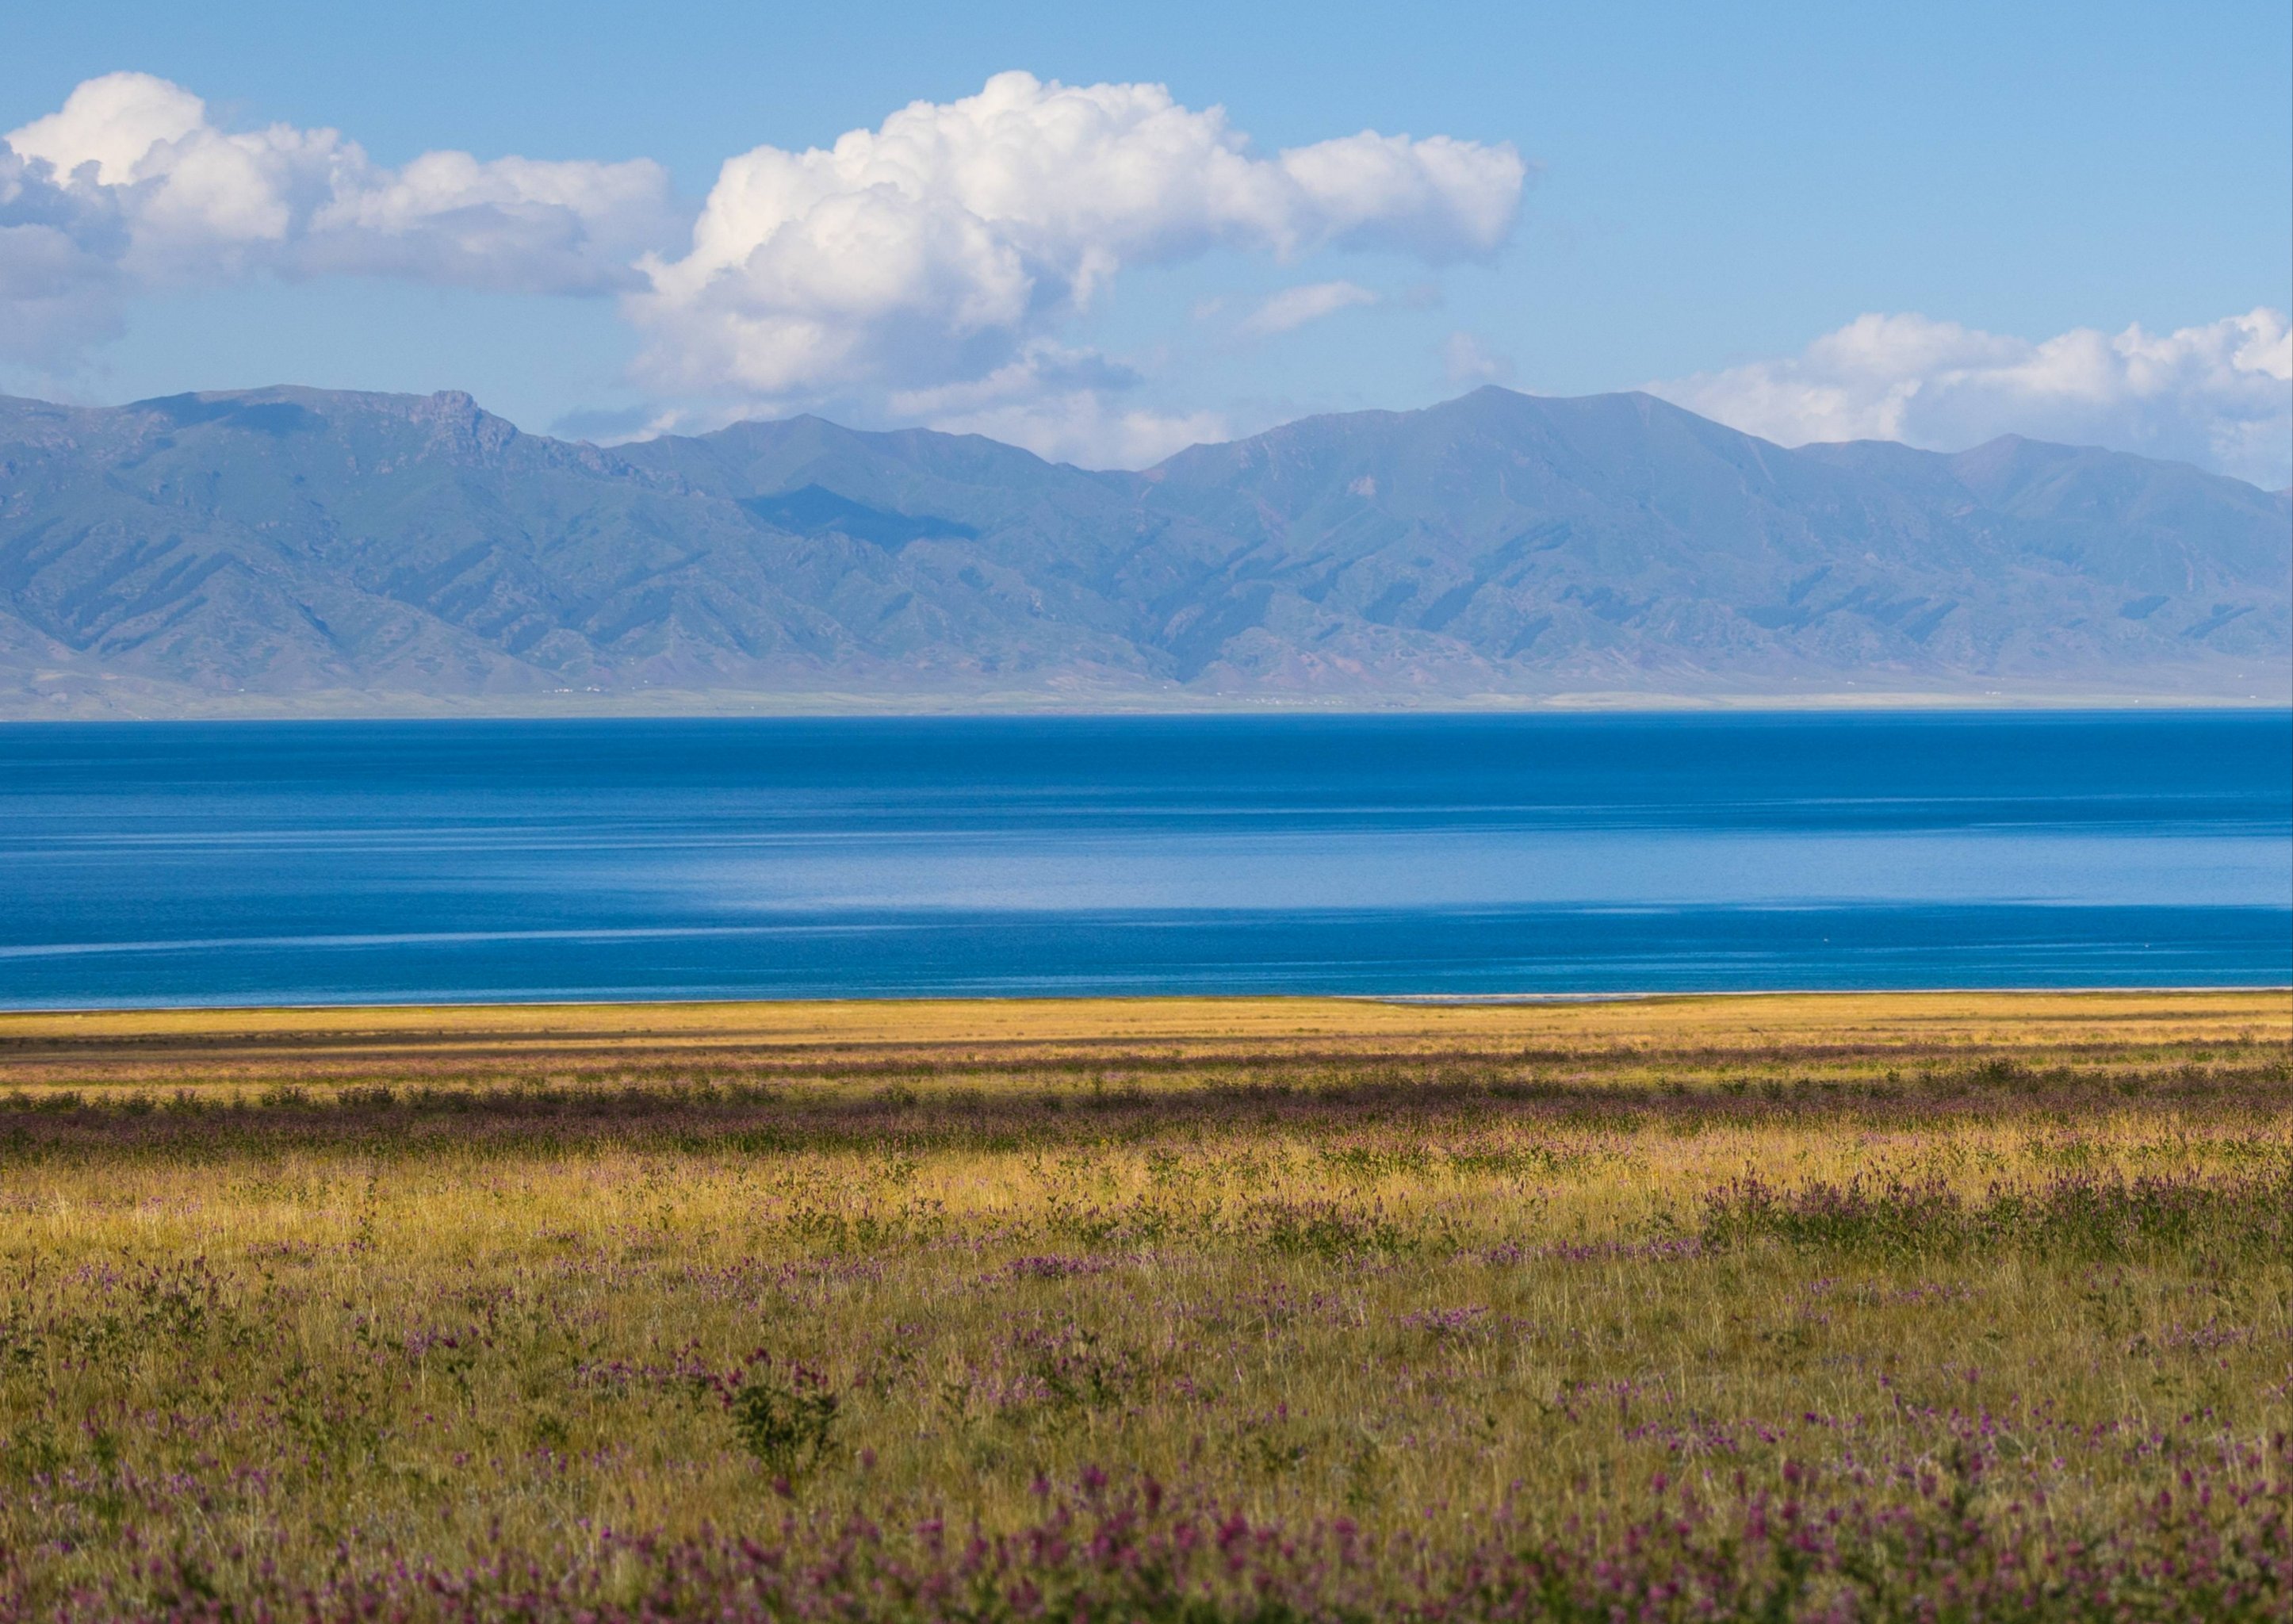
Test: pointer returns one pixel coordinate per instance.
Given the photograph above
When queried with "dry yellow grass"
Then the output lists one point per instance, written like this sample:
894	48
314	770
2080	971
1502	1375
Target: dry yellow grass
315	1040
457	1288
1799	1017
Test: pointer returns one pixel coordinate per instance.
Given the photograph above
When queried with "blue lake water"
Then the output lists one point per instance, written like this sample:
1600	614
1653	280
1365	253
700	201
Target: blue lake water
365	861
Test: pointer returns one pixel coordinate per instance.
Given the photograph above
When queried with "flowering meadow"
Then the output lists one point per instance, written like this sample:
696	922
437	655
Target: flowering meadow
1790	1309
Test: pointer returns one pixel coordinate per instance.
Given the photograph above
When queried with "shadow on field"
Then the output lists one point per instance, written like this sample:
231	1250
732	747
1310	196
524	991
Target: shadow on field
1047	1104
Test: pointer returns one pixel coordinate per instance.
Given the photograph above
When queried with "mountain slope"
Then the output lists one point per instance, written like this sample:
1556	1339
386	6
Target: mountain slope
1620	535
299	546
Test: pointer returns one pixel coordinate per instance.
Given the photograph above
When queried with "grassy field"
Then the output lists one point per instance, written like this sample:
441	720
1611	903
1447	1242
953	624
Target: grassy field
1918	1307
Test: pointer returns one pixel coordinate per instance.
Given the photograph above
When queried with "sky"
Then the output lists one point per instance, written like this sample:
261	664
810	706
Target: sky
1105	233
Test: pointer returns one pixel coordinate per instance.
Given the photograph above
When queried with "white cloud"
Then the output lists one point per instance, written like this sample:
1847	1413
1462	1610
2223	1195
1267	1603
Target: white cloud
128	187
113	122
924	270
937	249
61	285
1084	427
2219	395
1060	404
1293	307
513	224
1466	359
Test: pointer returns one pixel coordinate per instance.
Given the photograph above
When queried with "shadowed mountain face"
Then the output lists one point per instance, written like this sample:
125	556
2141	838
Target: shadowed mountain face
386	550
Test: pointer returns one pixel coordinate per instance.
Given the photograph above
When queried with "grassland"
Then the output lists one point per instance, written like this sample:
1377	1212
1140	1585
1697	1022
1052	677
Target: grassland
1904	1307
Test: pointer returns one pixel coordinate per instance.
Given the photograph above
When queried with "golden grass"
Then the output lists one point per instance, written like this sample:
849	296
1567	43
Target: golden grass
38	1044
1825	1017
1308	1259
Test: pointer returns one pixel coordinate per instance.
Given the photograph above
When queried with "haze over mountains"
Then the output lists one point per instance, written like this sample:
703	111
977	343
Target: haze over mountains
301	549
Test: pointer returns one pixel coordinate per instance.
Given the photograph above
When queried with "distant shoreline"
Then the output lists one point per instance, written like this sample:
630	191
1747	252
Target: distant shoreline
683	705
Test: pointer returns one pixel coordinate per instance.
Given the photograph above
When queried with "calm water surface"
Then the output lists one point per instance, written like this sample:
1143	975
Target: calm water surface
376	862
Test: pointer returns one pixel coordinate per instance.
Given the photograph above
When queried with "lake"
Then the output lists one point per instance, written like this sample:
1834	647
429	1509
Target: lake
1392	856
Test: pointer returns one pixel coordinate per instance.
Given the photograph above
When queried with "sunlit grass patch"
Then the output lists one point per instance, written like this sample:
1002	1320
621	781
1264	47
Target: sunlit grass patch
1855	1330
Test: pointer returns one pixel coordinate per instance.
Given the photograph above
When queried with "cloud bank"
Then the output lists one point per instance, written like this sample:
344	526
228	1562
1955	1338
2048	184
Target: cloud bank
932	270
129	188
2219	395
923	269
946	247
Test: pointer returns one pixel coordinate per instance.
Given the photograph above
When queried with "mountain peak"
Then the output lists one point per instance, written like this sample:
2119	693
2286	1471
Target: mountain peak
300	543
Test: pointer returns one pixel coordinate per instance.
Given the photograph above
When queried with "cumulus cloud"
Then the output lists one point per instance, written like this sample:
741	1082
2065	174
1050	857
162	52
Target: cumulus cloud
130	187
926	269
2220	395
938	249
60	284
1293	307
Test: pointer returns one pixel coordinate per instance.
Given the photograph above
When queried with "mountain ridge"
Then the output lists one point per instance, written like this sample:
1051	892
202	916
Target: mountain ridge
284	548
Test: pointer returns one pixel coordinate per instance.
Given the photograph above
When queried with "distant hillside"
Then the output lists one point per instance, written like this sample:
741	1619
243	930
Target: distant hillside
298	548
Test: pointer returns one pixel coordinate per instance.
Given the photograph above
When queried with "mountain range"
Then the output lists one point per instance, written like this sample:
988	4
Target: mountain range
295	549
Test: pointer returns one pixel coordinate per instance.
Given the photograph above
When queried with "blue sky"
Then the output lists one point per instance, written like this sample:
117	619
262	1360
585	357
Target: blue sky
1702	194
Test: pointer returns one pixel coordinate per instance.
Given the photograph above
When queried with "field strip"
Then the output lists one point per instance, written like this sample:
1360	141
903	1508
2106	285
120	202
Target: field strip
1786	1016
